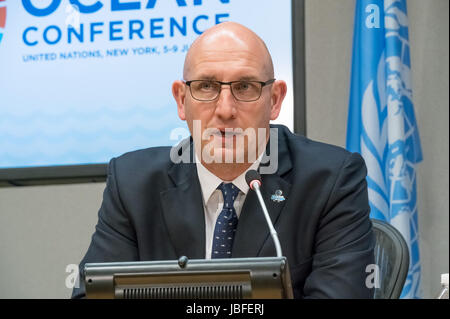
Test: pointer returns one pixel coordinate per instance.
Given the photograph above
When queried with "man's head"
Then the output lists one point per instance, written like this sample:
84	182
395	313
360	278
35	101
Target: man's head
228	52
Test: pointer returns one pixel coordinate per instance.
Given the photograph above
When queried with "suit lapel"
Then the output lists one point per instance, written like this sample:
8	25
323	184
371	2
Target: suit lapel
252	231
183	212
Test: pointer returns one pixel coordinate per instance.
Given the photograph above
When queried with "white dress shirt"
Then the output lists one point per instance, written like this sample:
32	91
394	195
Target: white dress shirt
213	198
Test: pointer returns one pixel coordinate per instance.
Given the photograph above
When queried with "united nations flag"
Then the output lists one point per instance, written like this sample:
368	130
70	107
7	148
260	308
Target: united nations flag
381	122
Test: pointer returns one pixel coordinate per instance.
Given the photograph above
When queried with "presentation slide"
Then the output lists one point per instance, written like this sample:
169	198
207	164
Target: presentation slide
82	81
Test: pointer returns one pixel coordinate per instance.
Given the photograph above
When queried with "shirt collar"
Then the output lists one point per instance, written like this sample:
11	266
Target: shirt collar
209	182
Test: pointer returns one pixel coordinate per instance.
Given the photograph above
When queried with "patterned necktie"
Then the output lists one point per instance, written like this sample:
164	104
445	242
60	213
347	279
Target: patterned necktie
226	223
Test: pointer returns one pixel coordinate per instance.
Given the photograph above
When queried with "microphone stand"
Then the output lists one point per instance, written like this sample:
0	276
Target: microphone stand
273	233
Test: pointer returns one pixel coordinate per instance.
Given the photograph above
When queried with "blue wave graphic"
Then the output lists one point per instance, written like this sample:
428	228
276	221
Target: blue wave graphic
47	154
73	127
30	113
79	136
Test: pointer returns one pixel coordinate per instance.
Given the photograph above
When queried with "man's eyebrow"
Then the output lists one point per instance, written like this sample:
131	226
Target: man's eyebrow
213	78
248	78
205	77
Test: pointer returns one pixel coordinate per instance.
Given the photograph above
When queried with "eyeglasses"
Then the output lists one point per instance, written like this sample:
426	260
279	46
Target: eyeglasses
208	90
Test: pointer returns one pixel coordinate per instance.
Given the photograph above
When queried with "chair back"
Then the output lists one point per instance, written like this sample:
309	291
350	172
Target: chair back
392	258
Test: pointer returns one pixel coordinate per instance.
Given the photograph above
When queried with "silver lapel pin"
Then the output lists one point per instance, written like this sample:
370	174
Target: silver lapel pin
278	196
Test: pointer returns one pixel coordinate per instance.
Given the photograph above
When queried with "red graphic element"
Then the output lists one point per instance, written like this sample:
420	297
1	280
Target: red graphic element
2	19
2	16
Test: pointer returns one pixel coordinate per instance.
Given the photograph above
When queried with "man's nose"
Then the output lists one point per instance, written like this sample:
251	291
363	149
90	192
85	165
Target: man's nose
226	103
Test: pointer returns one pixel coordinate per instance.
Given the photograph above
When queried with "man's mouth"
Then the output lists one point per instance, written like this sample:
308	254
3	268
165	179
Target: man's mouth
227	135
227	132
224	136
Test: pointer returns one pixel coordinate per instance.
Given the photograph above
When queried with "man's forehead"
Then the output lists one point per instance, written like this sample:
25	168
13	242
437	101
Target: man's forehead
228	71
229	49
231	30
228	41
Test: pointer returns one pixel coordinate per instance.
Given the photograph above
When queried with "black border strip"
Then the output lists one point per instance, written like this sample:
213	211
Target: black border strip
298	62
65	174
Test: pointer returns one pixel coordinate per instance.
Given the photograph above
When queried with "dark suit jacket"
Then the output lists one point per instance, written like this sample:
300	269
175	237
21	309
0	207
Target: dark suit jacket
152	210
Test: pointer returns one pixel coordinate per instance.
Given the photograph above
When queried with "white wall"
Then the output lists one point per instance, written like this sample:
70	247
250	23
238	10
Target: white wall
42	230
45	228
329	36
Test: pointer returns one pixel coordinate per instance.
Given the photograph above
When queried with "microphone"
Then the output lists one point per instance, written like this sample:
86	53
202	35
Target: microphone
253	180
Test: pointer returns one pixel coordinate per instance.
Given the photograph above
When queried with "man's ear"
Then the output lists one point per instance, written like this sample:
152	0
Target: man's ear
179	93
278	93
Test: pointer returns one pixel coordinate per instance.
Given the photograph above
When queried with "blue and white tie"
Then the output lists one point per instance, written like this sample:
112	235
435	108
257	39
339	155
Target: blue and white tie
226	223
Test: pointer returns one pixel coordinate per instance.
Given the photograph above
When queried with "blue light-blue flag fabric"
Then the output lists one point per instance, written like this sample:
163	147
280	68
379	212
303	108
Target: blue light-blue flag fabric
381	122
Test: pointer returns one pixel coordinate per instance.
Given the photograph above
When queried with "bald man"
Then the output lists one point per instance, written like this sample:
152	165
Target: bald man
160	204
